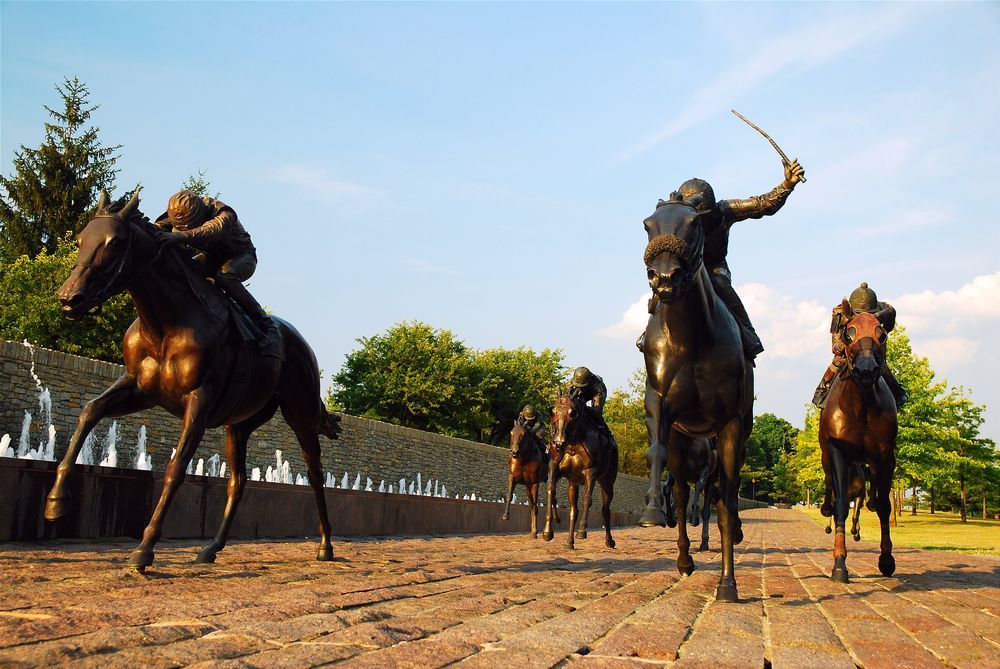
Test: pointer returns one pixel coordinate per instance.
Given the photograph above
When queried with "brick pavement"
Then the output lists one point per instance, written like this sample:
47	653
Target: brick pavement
495	601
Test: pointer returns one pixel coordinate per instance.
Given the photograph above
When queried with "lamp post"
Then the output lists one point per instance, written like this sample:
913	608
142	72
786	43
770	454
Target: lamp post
753	489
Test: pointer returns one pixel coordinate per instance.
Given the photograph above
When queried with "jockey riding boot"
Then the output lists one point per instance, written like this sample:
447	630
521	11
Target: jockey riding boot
240	295
823	389
898	391
752	346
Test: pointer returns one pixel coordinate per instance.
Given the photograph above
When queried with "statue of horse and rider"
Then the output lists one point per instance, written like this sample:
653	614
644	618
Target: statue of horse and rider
699	347
191	351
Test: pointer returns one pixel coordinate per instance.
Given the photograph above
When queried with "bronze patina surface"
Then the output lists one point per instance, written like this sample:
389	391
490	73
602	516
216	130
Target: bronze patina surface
525	466
701	467
185	354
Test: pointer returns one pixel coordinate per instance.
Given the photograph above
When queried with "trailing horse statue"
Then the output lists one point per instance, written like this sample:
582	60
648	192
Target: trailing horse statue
858	426
583	454
526	466
185	353
698	381
855	494
702	469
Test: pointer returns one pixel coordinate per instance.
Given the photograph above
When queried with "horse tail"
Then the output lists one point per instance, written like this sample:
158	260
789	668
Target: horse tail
329	424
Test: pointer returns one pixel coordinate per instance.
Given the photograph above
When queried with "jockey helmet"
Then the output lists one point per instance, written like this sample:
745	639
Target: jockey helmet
699	194
528	412
582	377
863	299
186	210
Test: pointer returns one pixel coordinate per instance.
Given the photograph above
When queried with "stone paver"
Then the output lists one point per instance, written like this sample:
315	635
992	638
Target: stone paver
499	601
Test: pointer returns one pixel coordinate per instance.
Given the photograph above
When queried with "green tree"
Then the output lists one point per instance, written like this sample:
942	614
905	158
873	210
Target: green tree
511	378
413	375
29	308
625	414
199	185
800	471
772	438
54	188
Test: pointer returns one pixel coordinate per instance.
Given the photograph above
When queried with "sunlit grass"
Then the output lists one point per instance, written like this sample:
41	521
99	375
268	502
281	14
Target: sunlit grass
941	531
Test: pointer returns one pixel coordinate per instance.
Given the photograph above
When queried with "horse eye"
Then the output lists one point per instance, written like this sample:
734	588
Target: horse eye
850	334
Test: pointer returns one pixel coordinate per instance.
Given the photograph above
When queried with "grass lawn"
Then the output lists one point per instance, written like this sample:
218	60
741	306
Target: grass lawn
942	531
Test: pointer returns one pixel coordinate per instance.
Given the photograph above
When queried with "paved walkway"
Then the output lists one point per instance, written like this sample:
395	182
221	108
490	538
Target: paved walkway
496	601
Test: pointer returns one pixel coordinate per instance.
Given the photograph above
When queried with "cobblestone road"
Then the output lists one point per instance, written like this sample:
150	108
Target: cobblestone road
495	601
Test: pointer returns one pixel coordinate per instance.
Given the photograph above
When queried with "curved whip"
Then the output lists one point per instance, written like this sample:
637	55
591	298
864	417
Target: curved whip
756	127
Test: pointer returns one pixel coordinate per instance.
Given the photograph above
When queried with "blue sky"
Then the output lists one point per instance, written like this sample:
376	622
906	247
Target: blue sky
486	167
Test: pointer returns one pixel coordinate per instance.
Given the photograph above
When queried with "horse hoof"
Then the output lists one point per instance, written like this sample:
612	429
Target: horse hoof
570	545
703	547
206	556
534	535
685	565
325	554
887	565
828	529
547	536
582	534
140	559
55	508
694	521
738	536
857	537
653	517
726	592
609	542
671	522
840	575
826	510
505	517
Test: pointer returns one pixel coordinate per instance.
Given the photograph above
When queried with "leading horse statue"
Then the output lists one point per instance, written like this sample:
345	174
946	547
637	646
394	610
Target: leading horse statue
858	426
698	381
185	353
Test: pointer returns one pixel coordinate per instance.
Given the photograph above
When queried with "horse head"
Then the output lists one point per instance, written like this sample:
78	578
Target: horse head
865	339
564	416
520	439
673	255
103	259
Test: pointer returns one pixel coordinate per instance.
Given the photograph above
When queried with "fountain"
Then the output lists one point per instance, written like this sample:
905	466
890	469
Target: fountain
357	483
330	481
381	486
143	462
255	474
5	450
109	450
368	484
199	470
212	466
344	481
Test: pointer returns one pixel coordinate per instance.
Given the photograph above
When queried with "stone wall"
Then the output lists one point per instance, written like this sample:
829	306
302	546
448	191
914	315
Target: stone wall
372	448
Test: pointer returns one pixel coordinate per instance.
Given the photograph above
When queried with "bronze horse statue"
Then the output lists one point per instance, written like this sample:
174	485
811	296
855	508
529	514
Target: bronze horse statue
186	354
525	466
855	494
583	454
698	381
858	425
701	468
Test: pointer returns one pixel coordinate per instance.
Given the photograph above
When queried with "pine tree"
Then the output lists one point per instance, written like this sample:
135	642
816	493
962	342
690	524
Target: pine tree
54	187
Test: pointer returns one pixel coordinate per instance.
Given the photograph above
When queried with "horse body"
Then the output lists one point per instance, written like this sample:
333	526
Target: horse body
698	381
583	455
525	466
858	427
185	353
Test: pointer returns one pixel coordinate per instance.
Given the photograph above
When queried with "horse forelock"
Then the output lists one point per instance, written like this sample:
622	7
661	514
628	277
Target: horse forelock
666	243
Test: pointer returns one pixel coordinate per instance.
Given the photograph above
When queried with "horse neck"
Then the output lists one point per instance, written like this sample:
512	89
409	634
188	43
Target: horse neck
161	291
692	318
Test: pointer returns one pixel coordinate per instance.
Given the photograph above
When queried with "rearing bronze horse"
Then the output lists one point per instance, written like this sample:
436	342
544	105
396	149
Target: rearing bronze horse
698	381
184	353
858	425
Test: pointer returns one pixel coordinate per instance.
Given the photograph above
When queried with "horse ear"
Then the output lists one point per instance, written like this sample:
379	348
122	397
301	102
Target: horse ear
129	208
846	306
102	202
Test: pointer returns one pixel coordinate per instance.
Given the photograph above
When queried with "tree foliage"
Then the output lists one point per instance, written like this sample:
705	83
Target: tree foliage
625	414
29	308
771	439
423	377
54	188
199	185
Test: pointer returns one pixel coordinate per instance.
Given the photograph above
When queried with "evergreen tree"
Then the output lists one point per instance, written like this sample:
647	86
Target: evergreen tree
54	187
199	185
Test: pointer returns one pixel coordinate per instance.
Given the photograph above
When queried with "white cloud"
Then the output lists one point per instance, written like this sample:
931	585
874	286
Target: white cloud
795	52
633	321
788	327
952	311
946	353
321	185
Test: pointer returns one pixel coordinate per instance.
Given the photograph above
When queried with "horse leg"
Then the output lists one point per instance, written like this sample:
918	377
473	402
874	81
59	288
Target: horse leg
588	492
192	430
730	461
510	493
236	457
840	512
550	493
886	563
658	428
669	503
122	398
532	492
309	441
856	517
699	488
706	516
607	494
678	453
571	491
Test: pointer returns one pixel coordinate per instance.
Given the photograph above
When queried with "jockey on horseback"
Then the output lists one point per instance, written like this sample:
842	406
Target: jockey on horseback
717	218
212	228
589	387
862	299
531	421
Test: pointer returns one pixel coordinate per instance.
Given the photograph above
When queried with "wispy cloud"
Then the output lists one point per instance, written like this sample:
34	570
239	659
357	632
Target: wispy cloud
974	307
792	53
319	184
632	323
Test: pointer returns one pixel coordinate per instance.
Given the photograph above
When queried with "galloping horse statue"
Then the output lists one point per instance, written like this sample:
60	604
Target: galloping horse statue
526	466
185	353
702	469
698	381
858	425
855	495
583	454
